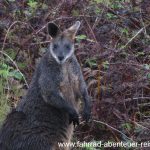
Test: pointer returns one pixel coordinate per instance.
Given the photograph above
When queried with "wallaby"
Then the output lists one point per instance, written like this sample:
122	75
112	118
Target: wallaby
50	110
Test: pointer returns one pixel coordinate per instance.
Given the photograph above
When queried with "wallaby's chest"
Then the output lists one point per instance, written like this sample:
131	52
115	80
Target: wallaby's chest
69	85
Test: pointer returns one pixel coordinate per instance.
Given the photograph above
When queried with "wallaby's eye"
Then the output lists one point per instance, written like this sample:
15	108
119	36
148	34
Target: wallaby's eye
67	46
55	46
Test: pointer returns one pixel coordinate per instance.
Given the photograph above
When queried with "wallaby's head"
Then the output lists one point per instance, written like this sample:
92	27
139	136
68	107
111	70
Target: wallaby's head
62	45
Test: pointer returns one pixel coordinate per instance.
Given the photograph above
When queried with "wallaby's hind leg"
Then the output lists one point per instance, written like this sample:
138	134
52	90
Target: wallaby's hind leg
65	142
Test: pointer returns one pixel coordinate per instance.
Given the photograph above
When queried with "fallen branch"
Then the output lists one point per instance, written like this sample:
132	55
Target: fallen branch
97	121
15	22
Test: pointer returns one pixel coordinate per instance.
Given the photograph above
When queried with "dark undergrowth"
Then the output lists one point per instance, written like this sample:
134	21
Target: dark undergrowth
112	46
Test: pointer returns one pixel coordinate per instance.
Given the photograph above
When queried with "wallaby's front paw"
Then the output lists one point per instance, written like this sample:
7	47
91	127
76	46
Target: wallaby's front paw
86	114
74	118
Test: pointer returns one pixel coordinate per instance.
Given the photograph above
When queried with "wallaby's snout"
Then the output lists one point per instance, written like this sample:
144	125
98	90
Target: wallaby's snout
61	58
62	45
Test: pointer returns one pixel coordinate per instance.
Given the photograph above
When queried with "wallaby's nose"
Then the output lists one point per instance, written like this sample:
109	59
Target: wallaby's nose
60	58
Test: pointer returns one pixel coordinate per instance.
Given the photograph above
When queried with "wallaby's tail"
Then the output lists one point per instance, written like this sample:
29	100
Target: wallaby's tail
3	147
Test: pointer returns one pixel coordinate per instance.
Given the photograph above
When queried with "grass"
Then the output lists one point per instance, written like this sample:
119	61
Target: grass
10	88
4	101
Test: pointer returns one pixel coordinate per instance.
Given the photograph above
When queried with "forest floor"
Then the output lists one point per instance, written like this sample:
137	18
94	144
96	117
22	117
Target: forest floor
112	46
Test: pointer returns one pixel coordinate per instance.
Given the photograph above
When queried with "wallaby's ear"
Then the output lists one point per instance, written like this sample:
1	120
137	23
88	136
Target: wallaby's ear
53	30
71	32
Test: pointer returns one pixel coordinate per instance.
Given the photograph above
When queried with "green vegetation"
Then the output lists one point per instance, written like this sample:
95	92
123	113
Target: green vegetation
10	88
4	106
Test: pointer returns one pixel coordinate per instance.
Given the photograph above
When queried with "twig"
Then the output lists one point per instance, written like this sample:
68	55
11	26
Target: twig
91	30
97	121
40	43
139	125
8	32
134	37
15	66
121	63
136	98
143	23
